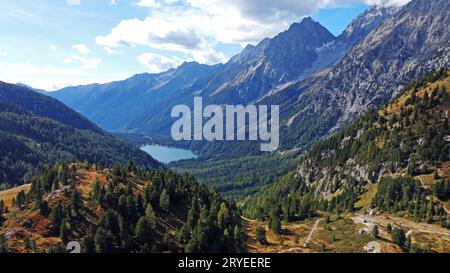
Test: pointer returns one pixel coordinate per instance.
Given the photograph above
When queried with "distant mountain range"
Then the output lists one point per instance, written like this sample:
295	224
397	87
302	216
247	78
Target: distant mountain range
31	88
36	130
142	103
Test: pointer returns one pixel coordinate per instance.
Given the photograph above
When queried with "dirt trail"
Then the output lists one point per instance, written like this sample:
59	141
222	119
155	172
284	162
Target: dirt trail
248	220
8	195
311	233
16	189
370	222
428	232
307	239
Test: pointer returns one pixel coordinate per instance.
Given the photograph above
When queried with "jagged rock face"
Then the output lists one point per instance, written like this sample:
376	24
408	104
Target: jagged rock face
366	22
288	56
415	39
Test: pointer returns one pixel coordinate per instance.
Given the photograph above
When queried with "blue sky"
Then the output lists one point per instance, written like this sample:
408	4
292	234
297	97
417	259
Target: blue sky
51	44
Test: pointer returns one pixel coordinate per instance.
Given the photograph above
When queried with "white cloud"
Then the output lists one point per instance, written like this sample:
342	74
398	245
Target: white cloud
82	48
73	2
78	2
86	63
387	2
52	47
156	63
209	56
164	33
156	3
3	53
149	3
167	34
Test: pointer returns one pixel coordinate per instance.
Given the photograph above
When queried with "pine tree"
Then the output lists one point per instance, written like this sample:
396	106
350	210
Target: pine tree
96	190
412	169
110	221
43	207
56	215
222	216
21	200
166	242
143	231
375	231
237	234
88	243
164	201
150	215
398	237
2	207
3	244
126	235
131	208
436	175
261	235
430	211
77	202
275	220
139	204
192	214
104	241
27	244
389	228
183	235
64	231
34	247
408	243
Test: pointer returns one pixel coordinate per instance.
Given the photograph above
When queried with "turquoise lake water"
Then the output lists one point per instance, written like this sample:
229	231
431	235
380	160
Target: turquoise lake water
168	154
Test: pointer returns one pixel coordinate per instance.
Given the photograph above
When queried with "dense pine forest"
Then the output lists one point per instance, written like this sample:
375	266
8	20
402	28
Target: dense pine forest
254	172
119	209
407	194
407	138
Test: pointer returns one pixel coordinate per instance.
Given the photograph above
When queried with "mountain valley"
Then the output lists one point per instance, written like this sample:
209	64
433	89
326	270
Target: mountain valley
363	164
